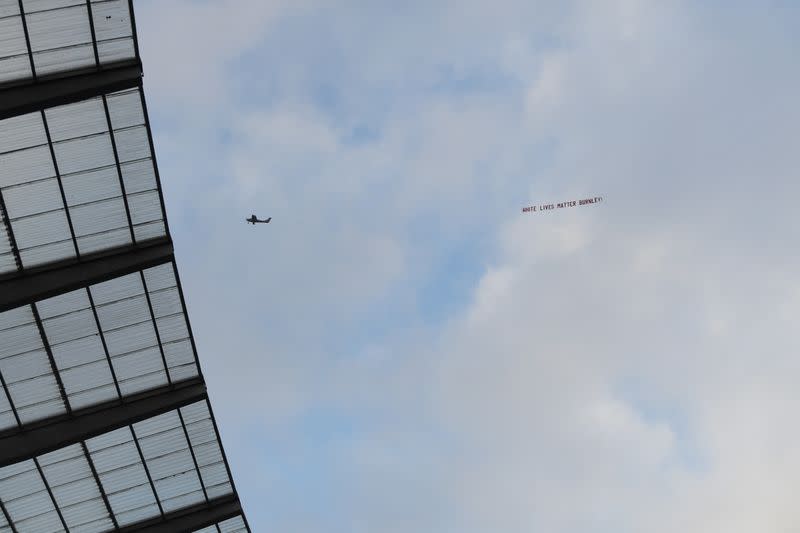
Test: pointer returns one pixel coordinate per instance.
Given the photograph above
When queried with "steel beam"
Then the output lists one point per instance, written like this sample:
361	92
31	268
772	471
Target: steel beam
48	435
191	518
26	287
20	99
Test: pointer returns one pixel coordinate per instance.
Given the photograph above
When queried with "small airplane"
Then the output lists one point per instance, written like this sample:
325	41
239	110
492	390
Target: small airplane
253	220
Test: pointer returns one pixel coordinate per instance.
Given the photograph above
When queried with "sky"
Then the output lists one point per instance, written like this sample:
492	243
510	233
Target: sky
402	348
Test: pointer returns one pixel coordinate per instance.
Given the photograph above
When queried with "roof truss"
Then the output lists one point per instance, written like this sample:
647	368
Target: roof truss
21	99
191	519
46	85
30	286
19	444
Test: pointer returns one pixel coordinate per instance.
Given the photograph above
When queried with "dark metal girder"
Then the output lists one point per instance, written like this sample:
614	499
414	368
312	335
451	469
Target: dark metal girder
49	435
100	486
51	359
22	99
113	139
8	517
30	286
147	470
190	518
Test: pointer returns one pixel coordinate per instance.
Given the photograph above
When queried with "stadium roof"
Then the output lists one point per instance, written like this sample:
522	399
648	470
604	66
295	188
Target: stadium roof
105	423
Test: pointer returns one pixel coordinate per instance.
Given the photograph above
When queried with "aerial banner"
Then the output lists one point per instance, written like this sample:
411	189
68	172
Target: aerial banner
562	205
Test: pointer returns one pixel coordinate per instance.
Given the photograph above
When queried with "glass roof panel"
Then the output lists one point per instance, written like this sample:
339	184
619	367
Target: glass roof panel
127	461
101	241
117	289
125	109
26	499
14	62
22	166
61	36
91	186
32	6
151	230
72	334
101	338
112	20
101	216
114	31
21	132
77	179
132	144
39	230
145	207
139	176
61	40
9	7
25	367
48	253
88	170
14	67
6	259
117	50
33	198
122	476
12	36
75	491
84	153
160	278
169	460
208	452
58	28
77	120
233	525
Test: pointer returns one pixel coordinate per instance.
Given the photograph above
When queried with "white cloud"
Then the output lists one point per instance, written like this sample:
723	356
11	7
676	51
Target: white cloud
544	96
627	366
189	47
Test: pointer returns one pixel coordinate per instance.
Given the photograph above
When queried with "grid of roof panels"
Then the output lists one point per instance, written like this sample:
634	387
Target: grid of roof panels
55	37
101	343
123	477
234	525
77	179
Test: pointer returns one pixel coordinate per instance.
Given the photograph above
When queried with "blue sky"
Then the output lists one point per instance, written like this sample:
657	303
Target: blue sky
402	349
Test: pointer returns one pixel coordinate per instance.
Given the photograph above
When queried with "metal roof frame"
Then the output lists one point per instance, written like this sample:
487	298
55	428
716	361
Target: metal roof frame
55	433
158	447
191	519
34	283
21	99
31	285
